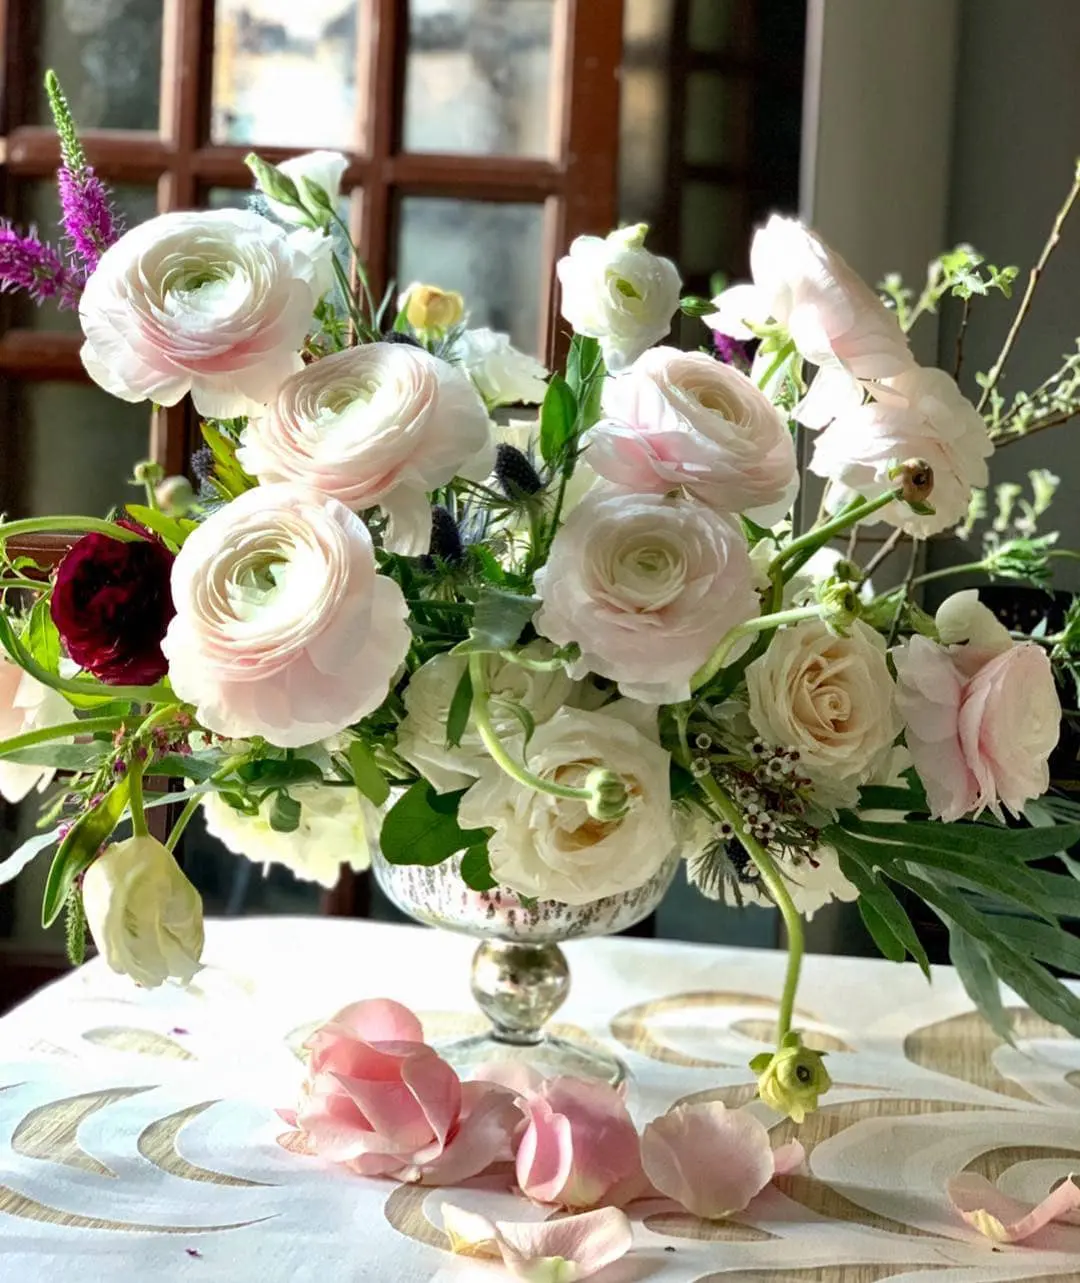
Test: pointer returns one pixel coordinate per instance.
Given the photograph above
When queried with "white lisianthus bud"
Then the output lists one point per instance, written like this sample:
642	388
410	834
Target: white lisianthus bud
609	798
175	496
311	189
144	915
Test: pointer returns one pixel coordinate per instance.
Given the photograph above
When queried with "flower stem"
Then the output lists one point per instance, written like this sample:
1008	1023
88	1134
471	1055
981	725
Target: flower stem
715	662
969	567
777	362
135	800
777	888
816	538
31	585
67	525
87	726
482	718
190	807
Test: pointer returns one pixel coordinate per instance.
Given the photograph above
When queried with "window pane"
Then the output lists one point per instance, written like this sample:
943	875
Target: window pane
285	72
478	77
712	221
73	447
38	205
718	26
491	253
717	119
107	54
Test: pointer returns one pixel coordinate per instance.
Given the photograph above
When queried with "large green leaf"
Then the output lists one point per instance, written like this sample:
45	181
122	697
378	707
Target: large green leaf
983	840
476	869
271	773
457	719
172	529
498	621
11	866
558	417
367	775
976	971
422	828
40	636
886	912
79	849
61	757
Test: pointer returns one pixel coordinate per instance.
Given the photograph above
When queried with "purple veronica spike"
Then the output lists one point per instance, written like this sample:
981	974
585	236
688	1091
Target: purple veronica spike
27	263
731	351
88	219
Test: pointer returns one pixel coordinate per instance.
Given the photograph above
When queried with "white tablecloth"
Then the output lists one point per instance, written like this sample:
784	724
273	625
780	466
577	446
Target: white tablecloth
138	1138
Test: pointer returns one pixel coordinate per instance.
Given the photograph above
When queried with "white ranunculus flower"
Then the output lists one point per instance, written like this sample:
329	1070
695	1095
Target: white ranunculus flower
834	318
283	628
215	303
378	425
324	169
830	697
646	585
26	705
550	847
144	915
922	415
422	734
617	291
682	419
501	373
337	825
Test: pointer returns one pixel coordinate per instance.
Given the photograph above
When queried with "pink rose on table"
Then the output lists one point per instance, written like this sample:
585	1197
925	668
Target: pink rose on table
580	1148
982	714
378	425
646	585
833	317
682	419
283	627
215	303
381	1101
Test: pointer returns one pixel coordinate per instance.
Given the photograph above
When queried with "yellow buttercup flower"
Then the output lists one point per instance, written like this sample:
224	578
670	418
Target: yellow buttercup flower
429	308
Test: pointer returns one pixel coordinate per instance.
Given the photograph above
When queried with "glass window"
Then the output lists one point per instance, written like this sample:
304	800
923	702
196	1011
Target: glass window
712	229
717	117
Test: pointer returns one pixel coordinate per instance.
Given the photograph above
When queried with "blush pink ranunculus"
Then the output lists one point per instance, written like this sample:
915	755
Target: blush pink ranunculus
384	1103
378	425
26	705
712	1160
580	1148
833	317
683	419
982	715
216	303
283	626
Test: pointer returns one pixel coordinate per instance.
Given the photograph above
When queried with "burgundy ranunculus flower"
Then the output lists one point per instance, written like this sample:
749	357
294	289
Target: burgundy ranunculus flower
112	603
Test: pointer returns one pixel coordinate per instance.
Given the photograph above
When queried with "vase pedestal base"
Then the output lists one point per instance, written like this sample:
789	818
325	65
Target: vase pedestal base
551	1057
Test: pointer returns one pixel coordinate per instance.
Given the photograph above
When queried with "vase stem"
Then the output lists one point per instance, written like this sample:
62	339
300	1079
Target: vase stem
519	987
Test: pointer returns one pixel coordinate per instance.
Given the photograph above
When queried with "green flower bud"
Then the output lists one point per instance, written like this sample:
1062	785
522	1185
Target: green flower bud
840	605
791	1080
175	496
148	473
272	182
608	796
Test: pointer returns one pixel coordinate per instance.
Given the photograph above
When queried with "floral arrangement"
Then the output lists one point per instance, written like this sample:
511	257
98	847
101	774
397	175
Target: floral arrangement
554	651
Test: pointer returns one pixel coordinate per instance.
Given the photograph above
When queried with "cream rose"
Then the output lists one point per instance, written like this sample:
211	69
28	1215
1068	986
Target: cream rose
26	705
283	627
422	734
377	425
336	825
501	373
645	585
921	415
832	699
214	303
682	419
321	169
550	847
144	915
615	290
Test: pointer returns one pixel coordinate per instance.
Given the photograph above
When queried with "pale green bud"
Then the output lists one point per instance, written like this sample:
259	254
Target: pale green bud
272	182
840	605
608	796
175	496
791	1080
148	473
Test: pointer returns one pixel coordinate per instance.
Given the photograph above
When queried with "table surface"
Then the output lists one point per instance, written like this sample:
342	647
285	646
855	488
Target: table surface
137	1131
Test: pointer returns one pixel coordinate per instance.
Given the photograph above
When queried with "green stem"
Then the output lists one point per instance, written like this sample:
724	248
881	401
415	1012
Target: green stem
969	567
190	807
87	726
820	535
715	662
67	525
534	665
73	685
135	800
777	362
482	720
777	888
32	585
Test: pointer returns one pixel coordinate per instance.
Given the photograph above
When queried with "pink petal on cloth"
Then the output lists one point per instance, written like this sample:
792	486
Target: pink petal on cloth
788	1158
710	1159
514	1075
470	1233
489	1116
396	1118
1005	1219
540	1251
381	1020
545	1156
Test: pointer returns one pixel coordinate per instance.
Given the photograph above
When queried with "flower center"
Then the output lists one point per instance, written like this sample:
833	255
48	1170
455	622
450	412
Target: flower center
257	582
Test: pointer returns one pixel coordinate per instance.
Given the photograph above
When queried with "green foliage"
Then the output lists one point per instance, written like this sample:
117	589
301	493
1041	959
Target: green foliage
457	718
229	478
585	376
422	828
40	637
499	618
1054	401
961	273
75	928
476	869
558	423
173	530
975	967
367	775
80	848
691	305
285	813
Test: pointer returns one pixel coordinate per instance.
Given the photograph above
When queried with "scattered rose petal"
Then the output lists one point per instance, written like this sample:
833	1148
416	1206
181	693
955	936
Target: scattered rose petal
788	1158
559	1251
1005	1219
514	1075
470	1233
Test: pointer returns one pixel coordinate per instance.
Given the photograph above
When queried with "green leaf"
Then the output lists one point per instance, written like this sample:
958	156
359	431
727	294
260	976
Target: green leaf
422	827
269	773
498	621
285	812
61	757
558	417
172	529
1048	944
983	840
585	376
191	766
79	849
881	933
367	775
761	1062
228	474
888	921
476	869
457	719
40	636
976	972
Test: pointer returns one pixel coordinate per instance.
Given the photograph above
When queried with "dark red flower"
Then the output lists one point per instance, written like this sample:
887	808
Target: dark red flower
111	604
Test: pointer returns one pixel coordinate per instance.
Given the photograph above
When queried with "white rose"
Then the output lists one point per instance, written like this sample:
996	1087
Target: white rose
616	291
422	734
833	317
144	915
550	847
26	705
501	373
920	415
812	880
214	303
283	628
378	425
682	419
321	168
830	697
336	826
646	585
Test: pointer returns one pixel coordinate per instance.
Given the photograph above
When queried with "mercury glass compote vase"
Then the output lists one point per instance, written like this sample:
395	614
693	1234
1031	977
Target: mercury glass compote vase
520	976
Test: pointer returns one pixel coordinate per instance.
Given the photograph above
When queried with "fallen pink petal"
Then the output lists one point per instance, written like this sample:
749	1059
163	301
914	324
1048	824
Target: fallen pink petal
553	1251
1007	1220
